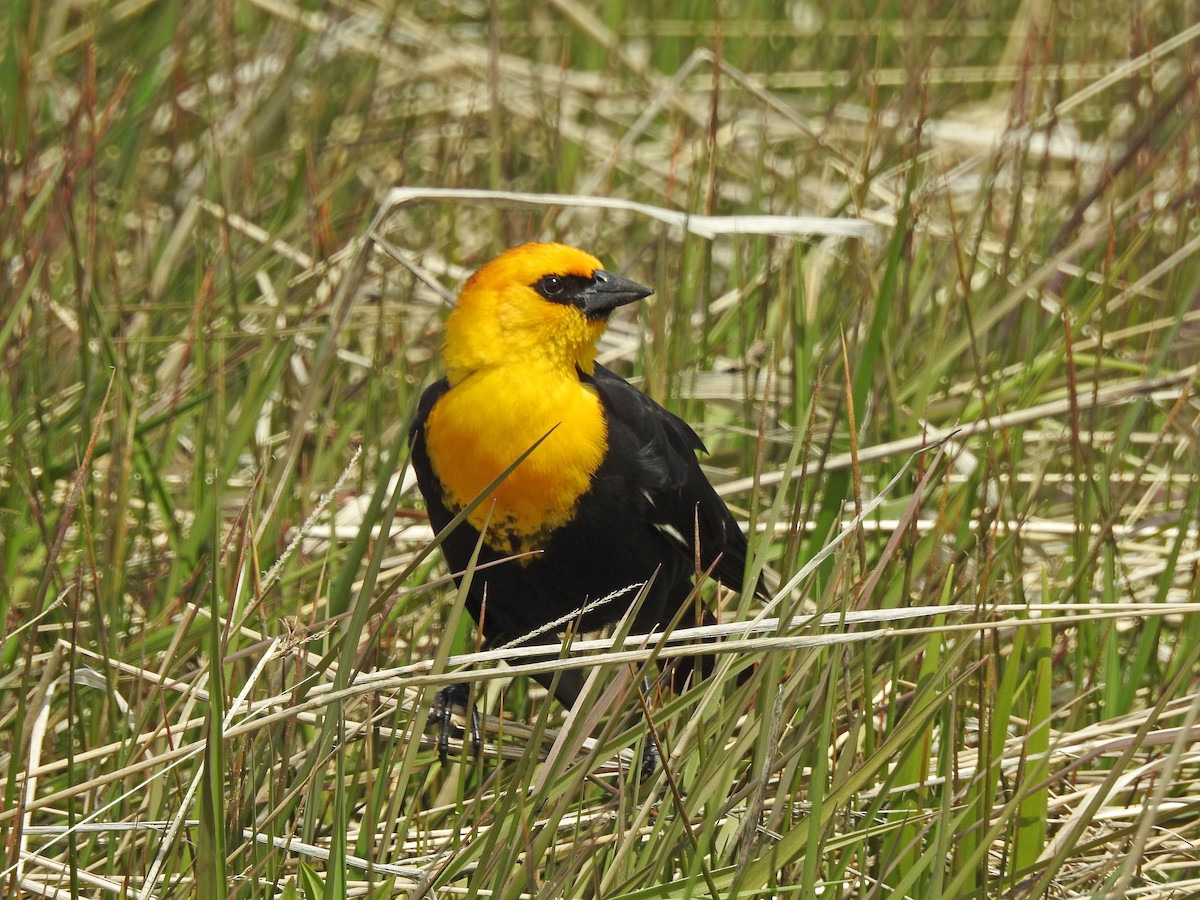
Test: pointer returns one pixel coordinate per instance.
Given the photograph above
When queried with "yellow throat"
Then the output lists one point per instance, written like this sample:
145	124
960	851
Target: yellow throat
485	422
524	328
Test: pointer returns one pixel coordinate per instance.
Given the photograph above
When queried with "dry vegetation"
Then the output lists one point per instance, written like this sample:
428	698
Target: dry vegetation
928	286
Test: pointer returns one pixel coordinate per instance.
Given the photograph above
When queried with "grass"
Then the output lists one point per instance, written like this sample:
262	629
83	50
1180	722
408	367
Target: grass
957	411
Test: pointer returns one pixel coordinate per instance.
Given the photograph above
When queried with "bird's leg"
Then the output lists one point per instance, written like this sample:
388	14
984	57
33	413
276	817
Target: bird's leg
444	702
649	764
650	760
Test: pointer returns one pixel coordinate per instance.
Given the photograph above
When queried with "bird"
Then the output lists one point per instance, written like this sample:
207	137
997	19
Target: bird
610	499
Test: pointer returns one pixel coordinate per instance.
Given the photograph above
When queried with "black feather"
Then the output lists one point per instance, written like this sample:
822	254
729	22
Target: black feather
648	488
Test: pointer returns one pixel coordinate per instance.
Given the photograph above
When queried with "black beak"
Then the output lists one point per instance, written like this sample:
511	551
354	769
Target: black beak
608	291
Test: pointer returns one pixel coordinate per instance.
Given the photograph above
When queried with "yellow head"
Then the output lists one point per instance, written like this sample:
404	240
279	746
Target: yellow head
537	304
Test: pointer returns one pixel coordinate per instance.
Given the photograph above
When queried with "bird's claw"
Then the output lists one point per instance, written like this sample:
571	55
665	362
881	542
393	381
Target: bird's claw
444	703
649	763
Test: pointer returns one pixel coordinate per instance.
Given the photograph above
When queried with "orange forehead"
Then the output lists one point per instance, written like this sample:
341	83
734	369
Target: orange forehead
529	262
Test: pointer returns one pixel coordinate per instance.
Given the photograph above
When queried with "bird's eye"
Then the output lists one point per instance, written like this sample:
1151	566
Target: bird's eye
551	286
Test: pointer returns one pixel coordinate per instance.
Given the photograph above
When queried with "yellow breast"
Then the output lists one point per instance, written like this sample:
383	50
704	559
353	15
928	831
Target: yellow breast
484	422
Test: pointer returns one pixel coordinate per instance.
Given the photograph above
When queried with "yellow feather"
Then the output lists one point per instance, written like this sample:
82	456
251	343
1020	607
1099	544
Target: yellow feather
511	358
488	420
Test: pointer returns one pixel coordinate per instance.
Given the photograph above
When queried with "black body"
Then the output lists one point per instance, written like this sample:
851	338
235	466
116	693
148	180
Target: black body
639	520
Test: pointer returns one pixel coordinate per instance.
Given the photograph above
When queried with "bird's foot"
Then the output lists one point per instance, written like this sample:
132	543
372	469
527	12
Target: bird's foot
444	703
649	763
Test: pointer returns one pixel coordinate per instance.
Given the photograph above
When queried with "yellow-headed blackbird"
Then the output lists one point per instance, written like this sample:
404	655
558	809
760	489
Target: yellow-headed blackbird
613	495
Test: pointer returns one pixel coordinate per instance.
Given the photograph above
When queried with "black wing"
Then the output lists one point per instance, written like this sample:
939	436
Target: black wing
430	489
680	502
